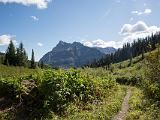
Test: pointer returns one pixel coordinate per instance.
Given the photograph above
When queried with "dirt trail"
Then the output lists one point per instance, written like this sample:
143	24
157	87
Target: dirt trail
125	107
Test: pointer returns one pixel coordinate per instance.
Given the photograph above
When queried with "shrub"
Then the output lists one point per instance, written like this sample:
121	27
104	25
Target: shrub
53	91
61	88
152	76
9	87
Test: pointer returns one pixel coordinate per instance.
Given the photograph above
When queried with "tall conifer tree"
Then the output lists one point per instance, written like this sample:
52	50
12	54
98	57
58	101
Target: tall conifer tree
10	57
33	64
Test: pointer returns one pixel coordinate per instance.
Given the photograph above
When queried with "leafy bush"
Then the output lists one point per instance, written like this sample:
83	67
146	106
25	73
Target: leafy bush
151	82
53	91
60	88
9	87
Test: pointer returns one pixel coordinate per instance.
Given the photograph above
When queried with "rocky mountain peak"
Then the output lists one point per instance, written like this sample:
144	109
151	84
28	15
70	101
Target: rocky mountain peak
70	55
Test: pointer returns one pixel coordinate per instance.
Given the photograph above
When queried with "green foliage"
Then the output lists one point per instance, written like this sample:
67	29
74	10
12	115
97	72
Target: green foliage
9	87
21	56
71	86
131	80
14	72
103	110
16	56
54	91
10	57
135	103
84	93
141	108
152	77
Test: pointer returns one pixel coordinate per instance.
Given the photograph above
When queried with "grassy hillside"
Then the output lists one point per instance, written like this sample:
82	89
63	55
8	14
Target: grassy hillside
143	75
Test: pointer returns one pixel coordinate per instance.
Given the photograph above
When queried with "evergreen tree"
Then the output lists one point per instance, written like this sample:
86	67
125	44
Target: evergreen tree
21	56
142	47
33	64
10	56
130	59
25	59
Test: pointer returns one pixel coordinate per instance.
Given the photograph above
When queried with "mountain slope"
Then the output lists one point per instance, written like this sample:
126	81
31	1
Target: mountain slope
68	55
107	50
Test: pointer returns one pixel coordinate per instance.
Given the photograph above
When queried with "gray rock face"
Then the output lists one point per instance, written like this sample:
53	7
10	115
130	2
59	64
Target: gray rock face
68	55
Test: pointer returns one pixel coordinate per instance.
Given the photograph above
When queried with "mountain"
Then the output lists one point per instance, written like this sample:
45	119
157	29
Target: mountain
107	50
68	55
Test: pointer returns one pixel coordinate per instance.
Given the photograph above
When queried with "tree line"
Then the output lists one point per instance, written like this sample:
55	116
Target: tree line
17	56
128	51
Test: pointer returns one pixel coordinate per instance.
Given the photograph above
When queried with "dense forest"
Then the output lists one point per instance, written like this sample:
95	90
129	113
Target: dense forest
129	51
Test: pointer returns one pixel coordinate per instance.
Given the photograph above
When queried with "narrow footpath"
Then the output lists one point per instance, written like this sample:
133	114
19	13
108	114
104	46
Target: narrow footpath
125	107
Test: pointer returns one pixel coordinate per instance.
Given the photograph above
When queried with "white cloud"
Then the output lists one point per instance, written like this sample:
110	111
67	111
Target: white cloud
5	39
139	27
40	44
101	43
137	30
129	29
145	12
41	4
34	18
128	32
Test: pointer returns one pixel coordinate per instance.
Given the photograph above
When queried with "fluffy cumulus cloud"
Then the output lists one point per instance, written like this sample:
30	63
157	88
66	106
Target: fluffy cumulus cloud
135	31
128	32
34	18
138	28
5	39
145	12
41	4
40	44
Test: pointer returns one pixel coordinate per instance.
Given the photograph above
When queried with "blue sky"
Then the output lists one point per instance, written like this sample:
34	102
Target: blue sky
41	24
